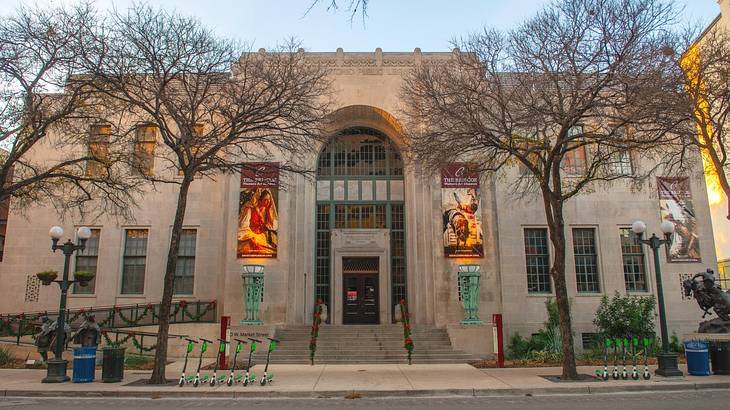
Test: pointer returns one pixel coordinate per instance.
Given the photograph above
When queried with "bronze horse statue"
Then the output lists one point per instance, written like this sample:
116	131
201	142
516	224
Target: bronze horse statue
708	294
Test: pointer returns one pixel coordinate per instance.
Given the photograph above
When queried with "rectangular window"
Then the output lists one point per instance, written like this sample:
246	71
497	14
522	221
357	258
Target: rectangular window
322	266
398	273
574	160
537	261
365	216
134	261
723	273
586	260
589	340
632	253
144	149
3	231
98	149
185	271
620	163
86	261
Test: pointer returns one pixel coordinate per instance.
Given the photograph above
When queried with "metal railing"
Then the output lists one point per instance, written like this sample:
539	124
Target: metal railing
18	325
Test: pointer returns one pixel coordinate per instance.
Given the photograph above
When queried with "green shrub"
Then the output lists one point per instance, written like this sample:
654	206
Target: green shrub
624	316
545	345
674	344
5	356
518	347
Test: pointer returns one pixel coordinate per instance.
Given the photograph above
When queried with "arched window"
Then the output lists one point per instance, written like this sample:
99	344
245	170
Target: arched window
359	152
360	186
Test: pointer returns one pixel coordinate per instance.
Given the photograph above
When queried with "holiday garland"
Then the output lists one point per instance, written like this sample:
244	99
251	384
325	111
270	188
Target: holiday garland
316	321
27	323
408	341
137	344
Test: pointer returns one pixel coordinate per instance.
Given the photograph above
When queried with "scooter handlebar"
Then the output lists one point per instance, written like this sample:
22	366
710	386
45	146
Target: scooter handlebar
223	341
274	340
206	340
254	340
191	340
241	341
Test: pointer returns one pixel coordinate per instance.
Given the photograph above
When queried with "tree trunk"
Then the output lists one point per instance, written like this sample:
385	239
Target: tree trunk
158	372
717	165
556	228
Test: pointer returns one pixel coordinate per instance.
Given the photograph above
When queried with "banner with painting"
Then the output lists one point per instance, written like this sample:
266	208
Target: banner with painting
460	207
675	203
258	217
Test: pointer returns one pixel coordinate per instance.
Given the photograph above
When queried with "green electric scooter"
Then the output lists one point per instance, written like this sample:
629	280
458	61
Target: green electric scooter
624	348
634	351
250	376
188	350
221	349
232	376
603	375
616	344
203	348
646	342
268	378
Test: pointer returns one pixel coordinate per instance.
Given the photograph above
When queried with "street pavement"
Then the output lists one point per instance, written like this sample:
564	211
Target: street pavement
705	400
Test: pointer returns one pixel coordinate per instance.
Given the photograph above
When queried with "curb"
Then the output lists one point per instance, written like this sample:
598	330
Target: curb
252	394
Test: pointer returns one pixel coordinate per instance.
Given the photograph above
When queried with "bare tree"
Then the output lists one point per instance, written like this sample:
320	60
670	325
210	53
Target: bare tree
214	105
44	108
353	7
706	102
575	97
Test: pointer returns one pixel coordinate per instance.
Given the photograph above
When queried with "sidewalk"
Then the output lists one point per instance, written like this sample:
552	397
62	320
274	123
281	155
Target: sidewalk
366	380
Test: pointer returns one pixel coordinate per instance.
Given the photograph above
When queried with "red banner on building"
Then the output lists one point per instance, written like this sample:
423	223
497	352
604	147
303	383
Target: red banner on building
675	205
461	211
258	216
260	175
459	175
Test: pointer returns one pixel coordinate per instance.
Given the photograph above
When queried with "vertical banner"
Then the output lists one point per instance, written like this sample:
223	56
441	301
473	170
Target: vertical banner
460	207
258	218
675	203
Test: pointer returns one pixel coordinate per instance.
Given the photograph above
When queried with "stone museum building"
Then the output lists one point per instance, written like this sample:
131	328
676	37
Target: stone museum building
370	228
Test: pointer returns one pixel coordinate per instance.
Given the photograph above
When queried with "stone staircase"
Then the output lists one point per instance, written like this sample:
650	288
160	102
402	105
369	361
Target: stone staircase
357	344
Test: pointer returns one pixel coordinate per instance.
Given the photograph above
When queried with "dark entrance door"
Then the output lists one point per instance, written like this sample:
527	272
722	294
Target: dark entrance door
360	291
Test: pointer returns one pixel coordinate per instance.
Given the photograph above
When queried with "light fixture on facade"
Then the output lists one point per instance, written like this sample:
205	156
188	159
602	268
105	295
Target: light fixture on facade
470	268
253	268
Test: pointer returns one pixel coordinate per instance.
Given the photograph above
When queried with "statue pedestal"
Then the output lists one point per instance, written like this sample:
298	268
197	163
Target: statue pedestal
708	337
474	339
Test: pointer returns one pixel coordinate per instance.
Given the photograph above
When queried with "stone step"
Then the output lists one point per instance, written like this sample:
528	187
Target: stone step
375	361
363	344
329	346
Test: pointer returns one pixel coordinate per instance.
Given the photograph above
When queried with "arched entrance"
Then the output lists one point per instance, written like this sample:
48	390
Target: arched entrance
360	226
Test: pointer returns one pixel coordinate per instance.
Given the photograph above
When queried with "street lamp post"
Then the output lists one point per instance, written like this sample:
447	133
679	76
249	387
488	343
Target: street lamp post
667	360
57	366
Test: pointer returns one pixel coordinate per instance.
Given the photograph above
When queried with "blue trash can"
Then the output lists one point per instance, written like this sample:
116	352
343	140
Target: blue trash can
698	357
84	364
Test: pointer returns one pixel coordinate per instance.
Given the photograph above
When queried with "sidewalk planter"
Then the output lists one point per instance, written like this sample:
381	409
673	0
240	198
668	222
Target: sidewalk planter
84	364
112	367
698	357
720	357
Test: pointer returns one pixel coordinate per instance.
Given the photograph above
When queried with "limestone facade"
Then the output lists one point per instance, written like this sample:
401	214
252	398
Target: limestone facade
367	95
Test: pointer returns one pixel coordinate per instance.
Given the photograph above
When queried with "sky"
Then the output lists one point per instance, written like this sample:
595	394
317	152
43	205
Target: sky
393	25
